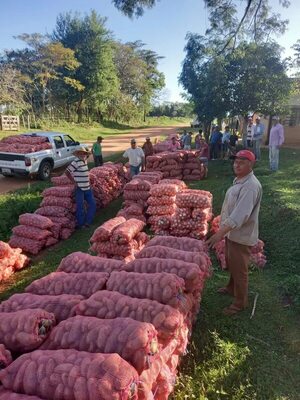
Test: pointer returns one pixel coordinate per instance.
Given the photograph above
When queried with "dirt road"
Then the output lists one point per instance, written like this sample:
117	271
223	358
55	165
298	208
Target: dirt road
111	145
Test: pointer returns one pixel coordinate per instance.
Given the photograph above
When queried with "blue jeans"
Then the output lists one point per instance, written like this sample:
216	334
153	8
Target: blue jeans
134	170
274	158
85	216
256	148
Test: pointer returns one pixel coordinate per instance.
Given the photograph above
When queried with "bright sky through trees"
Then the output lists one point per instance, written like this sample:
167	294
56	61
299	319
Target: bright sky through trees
162	28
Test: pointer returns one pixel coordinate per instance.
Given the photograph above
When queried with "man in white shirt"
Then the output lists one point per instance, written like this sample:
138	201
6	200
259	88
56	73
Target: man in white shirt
136	158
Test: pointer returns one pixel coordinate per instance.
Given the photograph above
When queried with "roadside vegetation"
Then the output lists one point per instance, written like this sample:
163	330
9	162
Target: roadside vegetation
234	358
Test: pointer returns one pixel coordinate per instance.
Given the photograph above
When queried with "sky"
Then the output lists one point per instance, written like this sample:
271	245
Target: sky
162	28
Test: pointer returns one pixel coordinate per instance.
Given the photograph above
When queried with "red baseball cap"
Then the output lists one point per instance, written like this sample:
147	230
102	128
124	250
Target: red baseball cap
245	154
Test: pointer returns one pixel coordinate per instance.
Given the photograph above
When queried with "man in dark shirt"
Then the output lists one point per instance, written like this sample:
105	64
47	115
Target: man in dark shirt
215	143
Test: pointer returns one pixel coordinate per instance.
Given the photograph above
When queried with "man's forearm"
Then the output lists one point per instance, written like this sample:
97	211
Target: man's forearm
70	176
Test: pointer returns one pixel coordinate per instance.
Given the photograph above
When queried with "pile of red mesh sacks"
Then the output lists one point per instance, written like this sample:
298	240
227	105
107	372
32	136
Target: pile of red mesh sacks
164	291
183	164
136	194
192	214
107	182
119	238
33	234
11	260
193	169
169	163
161	204
257	256
24	144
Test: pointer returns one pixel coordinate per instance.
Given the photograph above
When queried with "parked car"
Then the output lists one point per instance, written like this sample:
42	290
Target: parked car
39	163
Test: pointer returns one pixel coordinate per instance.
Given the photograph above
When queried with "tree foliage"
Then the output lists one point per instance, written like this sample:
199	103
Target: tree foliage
12	88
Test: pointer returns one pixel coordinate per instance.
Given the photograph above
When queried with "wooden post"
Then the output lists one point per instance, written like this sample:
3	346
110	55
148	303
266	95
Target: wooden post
28	121
23	120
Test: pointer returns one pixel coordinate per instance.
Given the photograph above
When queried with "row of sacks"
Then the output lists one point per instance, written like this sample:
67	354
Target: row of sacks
183	164
11	260
24	144
119	238
257	256
143	317
136	192
178	211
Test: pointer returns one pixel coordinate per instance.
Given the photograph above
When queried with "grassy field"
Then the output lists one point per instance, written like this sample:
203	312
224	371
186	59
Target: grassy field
91	131
235	358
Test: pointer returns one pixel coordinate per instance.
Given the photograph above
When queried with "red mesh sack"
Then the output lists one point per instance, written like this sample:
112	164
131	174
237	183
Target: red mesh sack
65	202
81	262
52	211
61	306
164	288
9	395
164	189
134	341
25	330
164	384
191	274
163	200
104	231
65	222
183	213
126	231
109	305
35	220
28	245
136	194
196	200
66	233
56	283
161	210
5	357
31	232
51	241
138	184
59	191
259	259
61	180
71	375
114	249
258	248
124	213
202	215
184	243
135	209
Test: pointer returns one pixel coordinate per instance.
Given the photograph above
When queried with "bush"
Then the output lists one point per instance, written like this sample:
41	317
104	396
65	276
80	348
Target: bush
291	288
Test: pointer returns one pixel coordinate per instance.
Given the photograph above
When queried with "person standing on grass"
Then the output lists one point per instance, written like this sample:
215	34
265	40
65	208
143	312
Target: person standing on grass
78	173
148	147
204	155
249	132
215	143
182	138
225	141
239	226
275	142
97	152
258	132
136	158
198	137
187	141
174	145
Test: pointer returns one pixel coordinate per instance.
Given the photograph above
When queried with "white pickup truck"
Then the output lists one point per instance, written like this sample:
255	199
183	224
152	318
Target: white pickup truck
40	163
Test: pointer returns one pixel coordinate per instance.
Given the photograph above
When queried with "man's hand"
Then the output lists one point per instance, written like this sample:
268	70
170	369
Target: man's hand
214	239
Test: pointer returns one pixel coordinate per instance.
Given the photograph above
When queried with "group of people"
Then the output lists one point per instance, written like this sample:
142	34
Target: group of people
222	143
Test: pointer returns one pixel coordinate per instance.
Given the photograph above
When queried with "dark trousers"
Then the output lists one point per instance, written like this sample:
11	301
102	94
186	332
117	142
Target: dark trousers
85	216
237	260
214	150
98	160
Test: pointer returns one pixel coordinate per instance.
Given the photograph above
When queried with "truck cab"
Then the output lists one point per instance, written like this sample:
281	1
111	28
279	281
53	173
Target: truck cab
40	163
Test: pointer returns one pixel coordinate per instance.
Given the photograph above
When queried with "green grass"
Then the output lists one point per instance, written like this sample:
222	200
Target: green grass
235	358
88	132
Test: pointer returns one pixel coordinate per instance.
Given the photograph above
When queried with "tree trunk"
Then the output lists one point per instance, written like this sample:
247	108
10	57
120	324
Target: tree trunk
79	109
269	129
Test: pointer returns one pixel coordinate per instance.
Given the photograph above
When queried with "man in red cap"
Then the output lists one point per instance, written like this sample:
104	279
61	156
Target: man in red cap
239	226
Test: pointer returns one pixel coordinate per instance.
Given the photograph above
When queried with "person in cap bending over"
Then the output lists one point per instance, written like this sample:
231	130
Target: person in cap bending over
174	145
148	147
97	152
275	142
136	158
257	136
78	173
239	226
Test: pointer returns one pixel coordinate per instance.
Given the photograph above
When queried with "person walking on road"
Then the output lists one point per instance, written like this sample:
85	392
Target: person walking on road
97	152
78	173
136	158
275	142
258	132
239	226
148	147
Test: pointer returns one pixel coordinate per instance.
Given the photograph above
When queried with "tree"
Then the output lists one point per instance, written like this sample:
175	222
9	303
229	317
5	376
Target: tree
12	89
133	7
93	47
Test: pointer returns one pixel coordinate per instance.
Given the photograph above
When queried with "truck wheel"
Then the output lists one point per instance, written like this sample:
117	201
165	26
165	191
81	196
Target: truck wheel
45	171
7	175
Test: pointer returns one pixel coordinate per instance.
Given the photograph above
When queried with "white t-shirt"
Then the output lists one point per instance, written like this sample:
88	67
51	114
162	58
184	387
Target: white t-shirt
135	156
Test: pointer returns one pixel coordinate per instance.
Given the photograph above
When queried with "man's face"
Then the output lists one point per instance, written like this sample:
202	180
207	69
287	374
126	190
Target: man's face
133	145
242	167
82	156
257	120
